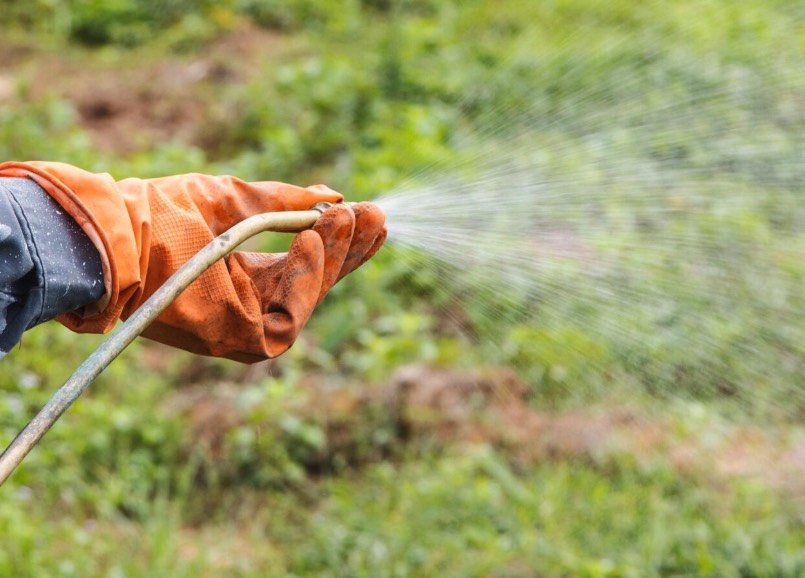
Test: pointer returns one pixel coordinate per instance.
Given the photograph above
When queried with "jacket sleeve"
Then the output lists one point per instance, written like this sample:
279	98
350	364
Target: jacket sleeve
48	265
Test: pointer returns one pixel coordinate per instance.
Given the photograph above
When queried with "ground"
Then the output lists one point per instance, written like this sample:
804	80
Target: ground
129	104
491	408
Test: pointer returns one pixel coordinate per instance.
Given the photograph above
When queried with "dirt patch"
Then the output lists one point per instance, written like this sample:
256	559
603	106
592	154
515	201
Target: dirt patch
15	51
124	115
135	102
8	87
426	405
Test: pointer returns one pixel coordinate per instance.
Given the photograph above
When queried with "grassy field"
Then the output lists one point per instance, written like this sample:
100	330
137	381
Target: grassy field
644	433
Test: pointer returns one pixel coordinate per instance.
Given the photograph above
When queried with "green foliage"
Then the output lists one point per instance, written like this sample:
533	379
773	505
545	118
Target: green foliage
472	515
296	14
42	130
463	514
309	117
101	22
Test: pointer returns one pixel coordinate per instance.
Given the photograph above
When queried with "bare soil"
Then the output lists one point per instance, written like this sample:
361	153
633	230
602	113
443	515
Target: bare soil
491	407
148	100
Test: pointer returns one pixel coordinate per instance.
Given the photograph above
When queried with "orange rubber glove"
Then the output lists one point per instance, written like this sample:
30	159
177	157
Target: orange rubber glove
248	306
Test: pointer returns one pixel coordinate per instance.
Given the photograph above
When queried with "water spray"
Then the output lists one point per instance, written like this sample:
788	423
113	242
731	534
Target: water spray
71	390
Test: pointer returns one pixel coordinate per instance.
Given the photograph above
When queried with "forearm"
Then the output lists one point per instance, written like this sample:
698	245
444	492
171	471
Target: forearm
48	266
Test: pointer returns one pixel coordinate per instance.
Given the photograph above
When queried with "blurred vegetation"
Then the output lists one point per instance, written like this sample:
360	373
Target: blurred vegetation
363	94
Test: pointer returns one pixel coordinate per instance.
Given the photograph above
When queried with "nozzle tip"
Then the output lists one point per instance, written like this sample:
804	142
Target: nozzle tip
321	207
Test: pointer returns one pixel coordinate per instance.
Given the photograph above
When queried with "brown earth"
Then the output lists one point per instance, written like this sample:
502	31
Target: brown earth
133	103
427	405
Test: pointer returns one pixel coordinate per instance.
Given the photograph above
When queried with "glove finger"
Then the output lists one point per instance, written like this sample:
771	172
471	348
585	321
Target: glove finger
325	193
291	303
264	269
264	197
335	227
370	233
381	238
285	197
225	200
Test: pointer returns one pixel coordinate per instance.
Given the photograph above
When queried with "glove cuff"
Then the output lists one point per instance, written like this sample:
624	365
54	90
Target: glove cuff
93	201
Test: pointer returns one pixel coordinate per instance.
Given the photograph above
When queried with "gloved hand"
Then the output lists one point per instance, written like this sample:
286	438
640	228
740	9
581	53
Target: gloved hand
246	307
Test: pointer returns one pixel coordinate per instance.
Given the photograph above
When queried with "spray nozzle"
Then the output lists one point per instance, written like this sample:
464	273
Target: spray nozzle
321	207
324	205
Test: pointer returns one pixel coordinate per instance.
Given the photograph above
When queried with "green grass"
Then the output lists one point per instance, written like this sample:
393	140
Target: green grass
362	94
459	515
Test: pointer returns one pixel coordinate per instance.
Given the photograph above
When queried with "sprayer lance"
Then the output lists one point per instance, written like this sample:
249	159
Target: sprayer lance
283	222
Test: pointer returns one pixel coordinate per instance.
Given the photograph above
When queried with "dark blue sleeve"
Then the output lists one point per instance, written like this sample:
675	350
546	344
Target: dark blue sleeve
48	265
